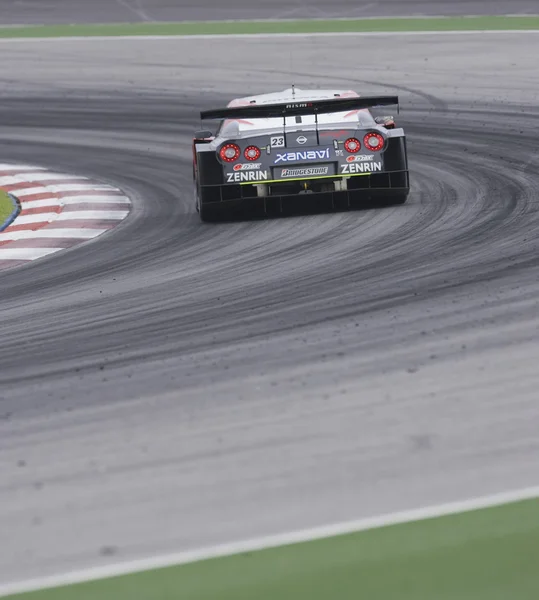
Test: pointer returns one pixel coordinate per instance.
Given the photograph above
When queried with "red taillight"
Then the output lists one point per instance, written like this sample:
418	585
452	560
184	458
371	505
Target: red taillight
252	153
373	141
229	152
352	145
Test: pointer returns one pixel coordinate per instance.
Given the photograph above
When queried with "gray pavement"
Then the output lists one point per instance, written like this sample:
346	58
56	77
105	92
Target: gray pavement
177	384
117	11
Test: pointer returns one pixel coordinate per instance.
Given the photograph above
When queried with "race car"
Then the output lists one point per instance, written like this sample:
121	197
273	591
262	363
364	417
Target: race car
323	147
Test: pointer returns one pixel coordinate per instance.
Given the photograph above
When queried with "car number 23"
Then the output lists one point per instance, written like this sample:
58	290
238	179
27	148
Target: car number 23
277	141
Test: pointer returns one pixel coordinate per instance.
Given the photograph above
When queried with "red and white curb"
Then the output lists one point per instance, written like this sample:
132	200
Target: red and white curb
58	211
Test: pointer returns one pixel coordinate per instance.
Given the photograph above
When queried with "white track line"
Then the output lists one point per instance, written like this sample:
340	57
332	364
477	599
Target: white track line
29	168
37	218
73	200
62	233
61	187
306	535
235	36
37	177
79	187
86	215
26	253
94	199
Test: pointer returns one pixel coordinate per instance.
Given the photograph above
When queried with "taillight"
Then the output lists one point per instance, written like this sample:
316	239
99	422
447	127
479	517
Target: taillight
352	145
373	141
230	152
252	153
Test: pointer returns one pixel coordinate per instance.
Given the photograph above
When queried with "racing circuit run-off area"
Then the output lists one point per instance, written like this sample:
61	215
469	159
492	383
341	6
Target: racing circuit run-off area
269	300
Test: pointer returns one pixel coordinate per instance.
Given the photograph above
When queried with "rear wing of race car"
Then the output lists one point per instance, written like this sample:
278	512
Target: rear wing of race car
290	109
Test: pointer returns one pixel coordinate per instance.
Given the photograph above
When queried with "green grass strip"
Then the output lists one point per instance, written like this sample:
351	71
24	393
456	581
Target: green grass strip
489	554
254	27
6	208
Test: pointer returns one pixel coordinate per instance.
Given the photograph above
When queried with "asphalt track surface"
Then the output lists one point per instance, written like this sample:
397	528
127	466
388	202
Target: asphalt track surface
177	384
119	11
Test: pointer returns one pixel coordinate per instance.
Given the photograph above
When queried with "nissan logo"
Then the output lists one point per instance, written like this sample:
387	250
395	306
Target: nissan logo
301	140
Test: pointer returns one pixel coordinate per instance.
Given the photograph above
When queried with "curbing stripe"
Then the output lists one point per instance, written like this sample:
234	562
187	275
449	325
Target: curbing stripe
66	200
87	215
20	168
41	243
78	187
22	190
37	176
25	253
92	224
25	227
110	192
59	187
52	205
43	217
93	206
45	202
274	541
57	212
49	233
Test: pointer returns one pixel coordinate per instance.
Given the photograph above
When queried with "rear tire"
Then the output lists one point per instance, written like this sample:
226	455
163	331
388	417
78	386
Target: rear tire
210	213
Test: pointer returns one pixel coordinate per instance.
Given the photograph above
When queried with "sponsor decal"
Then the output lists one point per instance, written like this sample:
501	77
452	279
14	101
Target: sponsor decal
239	176
339	152
247	166
305	172
366	167
334	133
277	141
299	105
302	155
301	139
360	158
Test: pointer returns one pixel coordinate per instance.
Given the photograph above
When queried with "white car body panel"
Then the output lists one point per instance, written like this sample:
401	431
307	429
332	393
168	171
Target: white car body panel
295	95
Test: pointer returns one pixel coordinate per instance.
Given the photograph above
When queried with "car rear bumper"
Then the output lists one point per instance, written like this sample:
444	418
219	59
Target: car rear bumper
306	202
376	185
